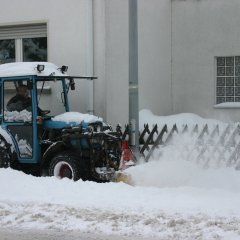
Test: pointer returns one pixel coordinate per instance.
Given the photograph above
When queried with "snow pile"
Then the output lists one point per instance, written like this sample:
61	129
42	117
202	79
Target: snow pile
174	211
146	116
175	165
15	116
170	170
208	142
29	68
172	198
76	117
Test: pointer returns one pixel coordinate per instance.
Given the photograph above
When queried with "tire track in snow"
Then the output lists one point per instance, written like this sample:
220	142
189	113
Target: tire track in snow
161	225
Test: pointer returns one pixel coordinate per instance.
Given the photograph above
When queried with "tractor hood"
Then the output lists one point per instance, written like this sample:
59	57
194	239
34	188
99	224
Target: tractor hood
70	119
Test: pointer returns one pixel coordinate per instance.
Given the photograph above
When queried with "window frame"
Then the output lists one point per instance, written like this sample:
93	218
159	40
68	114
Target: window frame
226	76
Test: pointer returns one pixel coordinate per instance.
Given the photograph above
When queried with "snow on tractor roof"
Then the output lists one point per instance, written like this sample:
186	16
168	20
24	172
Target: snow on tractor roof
29	68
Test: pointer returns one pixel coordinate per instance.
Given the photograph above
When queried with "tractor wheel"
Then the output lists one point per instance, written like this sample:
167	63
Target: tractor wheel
68	165
5	156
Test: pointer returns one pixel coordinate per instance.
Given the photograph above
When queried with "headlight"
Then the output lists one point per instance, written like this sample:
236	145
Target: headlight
99	128
91	128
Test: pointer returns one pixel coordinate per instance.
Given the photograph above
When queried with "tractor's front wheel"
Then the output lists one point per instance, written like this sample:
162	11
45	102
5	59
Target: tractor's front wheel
66	165
5	157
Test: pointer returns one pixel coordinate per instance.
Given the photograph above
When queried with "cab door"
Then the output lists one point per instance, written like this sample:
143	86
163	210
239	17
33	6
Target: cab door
18	117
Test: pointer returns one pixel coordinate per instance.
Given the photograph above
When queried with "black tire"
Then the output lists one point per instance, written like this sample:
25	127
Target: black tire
5	155
69	165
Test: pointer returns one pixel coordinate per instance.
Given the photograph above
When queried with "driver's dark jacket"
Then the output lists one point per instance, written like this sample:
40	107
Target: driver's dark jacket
19	103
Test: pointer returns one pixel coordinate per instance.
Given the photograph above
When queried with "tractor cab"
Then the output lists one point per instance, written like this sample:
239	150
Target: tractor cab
31	129
36	139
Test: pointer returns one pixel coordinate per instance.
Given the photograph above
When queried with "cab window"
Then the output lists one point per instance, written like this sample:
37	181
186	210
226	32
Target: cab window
17	101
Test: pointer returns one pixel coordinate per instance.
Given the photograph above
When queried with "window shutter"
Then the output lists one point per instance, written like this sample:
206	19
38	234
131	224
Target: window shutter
23	31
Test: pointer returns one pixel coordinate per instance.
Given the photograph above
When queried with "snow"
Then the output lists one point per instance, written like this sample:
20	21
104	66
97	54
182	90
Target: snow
146	116
76	117
15	116
25	148
7	137
171	198
29	68
228	105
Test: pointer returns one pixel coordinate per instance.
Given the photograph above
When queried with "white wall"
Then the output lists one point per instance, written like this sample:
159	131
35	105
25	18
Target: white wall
178	42
188	33
68	26
117	60
154	57
202	29
99	52
68	43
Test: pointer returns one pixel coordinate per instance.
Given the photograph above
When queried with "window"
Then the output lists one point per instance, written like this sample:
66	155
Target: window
7	51
18	102
25	43
34	49
228	79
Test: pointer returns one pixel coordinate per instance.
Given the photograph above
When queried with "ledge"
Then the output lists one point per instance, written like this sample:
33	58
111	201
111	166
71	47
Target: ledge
227	105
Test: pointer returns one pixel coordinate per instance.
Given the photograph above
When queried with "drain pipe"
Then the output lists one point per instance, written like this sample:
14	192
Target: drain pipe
89	56
133	77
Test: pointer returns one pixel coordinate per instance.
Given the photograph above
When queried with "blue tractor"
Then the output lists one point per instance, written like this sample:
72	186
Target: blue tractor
41	142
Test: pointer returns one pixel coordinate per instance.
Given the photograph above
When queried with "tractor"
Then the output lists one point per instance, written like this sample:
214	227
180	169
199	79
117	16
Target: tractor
39	142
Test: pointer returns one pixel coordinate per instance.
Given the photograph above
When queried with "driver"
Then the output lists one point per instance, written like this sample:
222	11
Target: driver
21	101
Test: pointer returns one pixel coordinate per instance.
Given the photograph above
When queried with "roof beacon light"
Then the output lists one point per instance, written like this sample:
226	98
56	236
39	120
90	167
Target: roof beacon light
40	67
64	68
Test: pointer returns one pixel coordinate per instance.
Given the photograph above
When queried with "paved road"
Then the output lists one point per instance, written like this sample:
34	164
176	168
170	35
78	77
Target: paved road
20	234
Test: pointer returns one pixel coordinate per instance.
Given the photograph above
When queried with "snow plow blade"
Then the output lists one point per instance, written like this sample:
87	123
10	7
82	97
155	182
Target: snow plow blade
122	177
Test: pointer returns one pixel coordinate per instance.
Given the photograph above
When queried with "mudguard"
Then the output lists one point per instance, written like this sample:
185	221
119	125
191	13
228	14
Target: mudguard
50	152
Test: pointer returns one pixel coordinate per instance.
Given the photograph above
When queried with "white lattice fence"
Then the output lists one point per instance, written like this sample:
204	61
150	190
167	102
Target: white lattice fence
207	145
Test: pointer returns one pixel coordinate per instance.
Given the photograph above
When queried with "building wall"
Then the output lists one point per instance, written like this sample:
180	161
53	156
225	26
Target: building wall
116	61
155	56
178	42
99	58
69	39
154	32
202	30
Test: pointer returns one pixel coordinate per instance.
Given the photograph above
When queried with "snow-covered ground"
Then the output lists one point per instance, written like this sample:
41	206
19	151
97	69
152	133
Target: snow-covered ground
171	198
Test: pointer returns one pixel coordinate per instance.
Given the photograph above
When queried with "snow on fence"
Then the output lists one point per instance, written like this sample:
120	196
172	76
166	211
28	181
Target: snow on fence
207	145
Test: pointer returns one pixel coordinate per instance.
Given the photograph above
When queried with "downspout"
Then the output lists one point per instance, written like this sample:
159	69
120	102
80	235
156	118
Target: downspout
133	77
171	69
89	56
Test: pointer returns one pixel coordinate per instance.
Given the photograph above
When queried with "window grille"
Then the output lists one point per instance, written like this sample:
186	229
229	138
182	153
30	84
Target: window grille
228	79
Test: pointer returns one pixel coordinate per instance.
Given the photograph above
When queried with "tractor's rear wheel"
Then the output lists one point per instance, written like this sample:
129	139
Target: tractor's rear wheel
68	165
